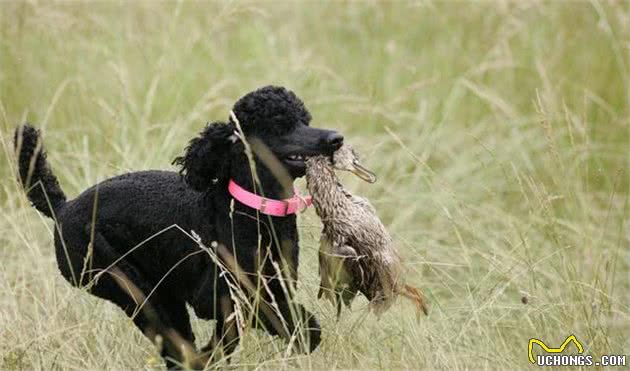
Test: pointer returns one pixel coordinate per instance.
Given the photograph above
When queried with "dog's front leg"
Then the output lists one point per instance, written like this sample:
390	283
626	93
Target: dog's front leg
292	322
226	337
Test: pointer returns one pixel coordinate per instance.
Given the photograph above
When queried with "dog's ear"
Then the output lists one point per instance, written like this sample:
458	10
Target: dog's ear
206	158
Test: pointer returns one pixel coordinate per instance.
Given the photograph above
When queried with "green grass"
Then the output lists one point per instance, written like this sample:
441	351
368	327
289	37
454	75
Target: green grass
500	133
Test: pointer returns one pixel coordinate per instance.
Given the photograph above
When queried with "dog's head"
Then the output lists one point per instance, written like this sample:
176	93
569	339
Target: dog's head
276	124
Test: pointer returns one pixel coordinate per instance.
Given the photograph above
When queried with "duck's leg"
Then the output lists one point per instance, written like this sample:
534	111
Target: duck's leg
345	251
414	294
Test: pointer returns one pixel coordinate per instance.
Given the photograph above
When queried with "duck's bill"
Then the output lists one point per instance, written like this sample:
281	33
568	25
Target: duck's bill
363	173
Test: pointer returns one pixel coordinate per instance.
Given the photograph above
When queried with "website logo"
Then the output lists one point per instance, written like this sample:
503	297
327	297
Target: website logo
554	356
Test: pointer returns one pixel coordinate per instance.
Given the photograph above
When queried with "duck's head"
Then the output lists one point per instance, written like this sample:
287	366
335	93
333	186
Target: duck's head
346	158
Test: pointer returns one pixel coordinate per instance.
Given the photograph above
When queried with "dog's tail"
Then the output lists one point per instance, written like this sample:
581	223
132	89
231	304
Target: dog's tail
42	187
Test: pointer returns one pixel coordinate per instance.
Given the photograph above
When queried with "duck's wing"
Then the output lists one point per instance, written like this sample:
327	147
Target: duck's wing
337	265
331	268
325	269
349	276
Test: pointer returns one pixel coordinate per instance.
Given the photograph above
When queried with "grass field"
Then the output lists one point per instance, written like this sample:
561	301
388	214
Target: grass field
500	132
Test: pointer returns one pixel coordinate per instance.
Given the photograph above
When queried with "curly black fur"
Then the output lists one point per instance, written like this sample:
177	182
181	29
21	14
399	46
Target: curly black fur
207	157
131	231
271	110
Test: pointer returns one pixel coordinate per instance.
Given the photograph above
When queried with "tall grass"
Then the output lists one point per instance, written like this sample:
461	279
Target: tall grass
500	132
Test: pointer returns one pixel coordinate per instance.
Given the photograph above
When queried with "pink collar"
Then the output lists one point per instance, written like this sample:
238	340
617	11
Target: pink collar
269	206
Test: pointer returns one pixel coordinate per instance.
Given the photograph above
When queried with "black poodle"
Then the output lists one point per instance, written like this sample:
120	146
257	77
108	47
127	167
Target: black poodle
117	239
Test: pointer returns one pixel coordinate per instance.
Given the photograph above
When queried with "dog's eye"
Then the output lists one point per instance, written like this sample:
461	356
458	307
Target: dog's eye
234	137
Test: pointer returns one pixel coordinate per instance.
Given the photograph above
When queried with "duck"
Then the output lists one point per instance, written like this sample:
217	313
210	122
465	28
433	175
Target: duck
357	255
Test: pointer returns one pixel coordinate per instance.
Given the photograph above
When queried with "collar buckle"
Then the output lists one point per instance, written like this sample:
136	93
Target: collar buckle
263	205
264	201
286	207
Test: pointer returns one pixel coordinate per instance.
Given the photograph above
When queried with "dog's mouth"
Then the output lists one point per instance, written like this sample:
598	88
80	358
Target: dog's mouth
296	160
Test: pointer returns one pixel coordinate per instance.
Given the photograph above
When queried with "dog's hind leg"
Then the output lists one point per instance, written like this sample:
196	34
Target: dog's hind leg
162	321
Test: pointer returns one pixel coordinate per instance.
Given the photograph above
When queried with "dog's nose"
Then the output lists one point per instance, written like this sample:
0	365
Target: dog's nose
335	141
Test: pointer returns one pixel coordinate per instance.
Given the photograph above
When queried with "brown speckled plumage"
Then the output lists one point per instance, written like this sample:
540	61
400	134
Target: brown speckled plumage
357	254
